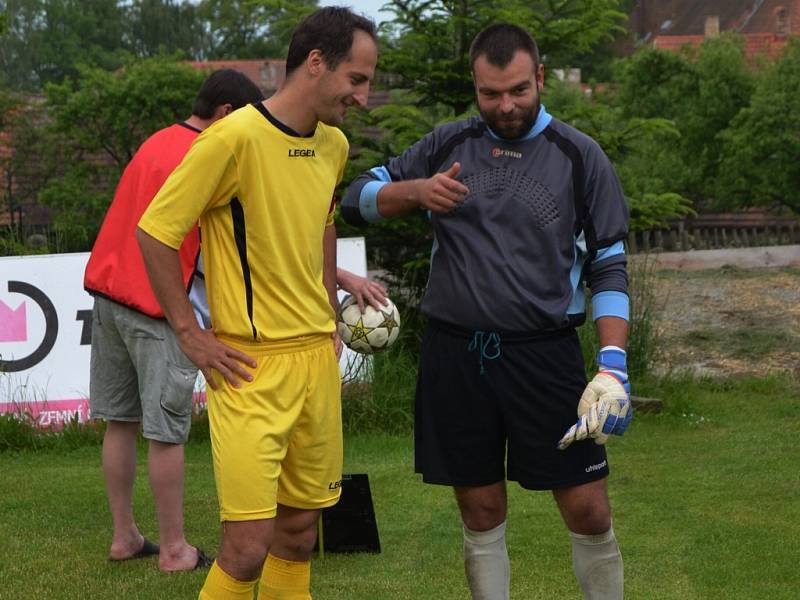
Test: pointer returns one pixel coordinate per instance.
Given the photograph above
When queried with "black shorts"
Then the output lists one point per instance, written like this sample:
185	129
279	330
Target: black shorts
468	422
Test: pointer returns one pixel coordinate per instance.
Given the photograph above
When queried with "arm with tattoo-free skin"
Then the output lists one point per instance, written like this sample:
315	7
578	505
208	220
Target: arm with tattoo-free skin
363	289
329	277
612	331
201	346
440	193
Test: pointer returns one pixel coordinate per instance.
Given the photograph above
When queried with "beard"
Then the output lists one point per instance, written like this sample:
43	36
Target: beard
514	126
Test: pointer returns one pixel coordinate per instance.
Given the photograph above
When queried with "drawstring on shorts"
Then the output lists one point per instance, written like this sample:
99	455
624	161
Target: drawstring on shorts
481	340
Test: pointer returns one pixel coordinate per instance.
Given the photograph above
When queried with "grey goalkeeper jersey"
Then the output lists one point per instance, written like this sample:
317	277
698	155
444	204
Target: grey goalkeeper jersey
544	215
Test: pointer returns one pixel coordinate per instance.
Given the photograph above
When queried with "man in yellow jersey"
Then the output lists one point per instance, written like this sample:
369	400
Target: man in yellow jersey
261	183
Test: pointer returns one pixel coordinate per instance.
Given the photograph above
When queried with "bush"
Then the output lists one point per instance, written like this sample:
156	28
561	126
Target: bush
386	404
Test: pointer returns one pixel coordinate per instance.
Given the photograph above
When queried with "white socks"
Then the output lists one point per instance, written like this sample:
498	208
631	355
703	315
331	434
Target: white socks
598	565
486	563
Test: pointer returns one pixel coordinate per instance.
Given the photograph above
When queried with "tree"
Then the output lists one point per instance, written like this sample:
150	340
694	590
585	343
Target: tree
100	120
700	91
252	28
427	44
28	160
760	165
113	112
166	26
48	39
628	143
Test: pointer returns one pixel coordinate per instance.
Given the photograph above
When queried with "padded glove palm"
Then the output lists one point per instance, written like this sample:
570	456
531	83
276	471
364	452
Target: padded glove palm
604	408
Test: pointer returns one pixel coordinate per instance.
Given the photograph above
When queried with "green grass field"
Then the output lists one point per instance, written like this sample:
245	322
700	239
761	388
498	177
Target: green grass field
706	499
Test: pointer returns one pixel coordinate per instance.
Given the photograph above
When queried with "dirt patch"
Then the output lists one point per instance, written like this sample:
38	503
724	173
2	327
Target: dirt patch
730	321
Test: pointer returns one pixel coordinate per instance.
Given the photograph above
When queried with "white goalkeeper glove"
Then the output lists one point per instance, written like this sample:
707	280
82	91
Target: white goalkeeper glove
605	406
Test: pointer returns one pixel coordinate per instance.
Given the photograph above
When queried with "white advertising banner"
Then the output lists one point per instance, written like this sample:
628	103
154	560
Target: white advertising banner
45	332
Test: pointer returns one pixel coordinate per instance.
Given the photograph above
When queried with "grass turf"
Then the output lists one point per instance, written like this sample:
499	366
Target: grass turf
706	500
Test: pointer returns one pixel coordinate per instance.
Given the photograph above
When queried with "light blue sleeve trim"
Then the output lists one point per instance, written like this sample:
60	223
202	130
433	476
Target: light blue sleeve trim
610	304
368	202
368	199
577	305
614	250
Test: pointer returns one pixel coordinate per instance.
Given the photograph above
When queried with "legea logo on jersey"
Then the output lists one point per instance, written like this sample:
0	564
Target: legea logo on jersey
301	152
500	152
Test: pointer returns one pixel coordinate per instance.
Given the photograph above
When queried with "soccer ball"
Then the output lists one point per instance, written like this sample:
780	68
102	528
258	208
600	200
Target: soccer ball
370	331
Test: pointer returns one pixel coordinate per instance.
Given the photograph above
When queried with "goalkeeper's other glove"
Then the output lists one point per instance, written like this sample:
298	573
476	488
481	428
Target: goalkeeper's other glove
605	406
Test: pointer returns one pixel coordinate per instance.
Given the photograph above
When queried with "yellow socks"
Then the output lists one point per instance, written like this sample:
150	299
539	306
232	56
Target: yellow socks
285	580
221	586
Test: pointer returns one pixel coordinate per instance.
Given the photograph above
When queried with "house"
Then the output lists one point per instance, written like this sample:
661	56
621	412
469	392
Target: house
765	25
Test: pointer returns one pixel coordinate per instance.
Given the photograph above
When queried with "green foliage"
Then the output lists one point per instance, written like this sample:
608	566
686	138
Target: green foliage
19	432
166	26
761	147
115	112
654	211
49	40
111	114
78	200
700	91
428	41
626	141
387	403
252	28
28	163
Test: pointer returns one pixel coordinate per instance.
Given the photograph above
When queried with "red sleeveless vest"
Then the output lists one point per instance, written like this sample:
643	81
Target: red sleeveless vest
115	268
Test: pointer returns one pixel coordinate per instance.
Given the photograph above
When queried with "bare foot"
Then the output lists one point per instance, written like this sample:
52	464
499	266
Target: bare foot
132	546
180	557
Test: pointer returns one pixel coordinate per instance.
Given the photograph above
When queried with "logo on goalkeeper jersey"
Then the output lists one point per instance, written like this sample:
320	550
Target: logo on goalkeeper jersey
596	467
498	152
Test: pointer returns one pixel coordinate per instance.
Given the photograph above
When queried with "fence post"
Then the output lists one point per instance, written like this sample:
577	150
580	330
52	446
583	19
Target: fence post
632	243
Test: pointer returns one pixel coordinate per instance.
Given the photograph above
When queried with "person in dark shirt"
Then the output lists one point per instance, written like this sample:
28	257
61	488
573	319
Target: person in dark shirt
525	211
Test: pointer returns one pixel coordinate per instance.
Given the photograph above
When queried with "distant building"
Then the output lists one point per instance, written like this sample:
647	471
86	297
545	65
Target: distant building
669	25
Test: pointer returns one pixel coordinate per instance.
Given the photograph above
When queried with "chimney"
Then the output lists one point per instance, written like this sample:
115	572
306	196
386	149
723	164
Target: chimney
712	26
782	24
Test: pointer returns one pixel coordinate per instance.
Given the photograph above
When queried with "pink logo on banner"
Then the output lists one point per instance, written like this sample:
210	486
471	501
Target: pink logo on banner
13	323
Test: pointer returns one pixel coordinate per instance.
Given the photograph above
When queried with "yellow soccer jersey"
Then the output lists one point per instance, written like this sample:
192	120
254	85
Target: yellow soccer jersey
263	197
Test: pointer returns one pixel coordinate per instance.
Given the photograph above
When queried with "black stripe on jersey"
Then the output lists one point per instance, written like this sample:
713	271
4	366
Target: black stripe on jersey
240	236
582	220
462	136
196	273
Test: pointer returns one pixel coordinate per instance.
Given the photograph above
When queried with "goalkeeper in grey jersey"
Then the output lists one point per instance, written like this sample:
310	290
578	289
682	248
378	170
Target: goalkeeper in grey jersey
525	211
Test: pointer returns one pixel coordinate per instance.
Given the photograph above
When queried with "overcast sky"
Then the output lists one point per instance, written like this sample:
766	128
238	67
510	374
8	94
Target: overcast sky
369	8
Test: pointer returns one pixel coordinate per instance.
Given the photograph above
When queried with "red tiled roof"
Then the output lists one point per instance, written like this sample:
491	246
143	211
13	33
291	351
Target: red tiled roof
672	24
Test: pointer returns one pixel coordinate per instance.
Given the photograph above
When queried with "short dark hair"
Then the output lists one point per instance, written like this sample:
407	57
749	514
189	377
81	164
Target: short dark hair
500	42
225	86
329	30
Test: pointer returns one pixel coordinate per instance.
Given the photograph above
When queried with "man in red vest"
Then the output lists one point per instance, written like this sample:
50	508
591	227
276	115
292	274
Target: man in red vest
139	375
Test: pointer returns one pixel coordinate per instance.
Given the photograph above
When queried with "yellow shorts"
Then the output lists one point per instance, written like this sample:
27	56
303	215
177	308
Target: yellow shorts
278	438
